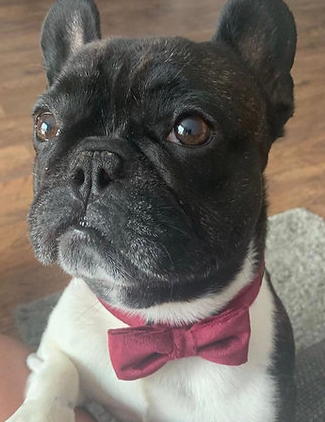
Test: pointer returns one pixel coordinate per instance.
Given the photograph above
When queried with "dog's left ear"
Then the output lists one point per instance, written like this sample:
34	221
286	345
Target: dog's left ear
68	25
263	34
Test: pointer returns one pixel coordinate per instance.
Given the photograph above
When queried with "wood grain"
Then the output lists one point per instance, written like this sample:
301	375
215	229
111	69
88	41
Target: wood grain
296	171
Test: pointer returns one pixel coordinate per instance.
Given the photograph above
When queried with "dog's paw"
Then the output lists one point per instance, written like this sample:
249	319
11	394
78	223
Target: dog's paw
41	411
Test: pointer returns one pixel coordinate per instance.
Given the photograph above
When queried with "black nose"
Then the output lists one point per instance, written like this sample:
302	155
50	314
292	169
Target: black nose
93	171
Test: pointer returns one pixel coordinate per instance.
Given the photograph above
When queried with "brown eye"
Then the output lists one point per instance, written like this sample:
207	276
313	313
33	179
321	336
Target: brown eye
190	131
46	127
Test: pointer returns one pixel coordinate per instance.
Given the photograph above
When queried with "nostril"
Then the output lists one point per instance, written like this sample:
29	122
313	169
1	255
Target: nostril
103	179
79	176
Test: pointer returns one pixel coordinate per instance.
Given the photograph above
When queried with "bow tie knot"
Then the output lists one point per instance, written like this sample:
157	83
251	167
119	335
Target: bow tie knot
184	344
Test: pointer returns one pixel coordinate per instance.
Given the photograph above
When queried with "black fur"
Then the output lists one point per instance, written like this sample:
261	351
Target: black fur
267	44
114	200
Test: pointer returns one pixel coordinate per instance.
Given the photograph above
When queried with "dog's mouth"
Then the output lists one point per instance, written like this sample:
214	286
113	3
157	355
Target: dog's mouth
85	251
80	252
84	223
118	279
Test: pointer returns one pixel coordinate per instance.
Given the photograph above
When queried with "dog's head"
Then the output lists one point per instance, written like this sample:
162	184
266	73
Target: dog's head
150	153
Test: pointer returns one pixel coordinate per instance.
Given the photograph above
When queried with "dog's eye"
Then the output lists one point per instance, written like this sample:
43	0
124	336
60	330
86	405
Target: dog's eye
190	131
46	127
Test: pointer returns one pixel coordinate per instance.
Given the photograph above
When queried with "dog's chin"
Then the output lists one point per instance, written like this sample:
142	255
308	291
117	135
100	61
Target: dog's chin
85	253
78	255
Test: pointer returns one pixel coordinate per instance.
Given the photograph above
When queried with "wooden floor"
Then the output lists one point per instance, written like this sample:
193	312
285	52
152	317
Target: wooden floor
296	172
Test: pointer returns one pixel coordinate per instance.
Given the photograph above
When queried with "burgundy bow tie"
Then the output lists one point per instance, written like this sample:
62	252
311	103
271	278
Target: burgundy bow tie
140	350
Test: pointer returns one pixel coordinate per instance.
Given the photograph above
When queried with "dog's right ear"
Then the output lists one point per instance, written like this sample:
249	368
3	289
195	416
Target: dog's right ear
68	25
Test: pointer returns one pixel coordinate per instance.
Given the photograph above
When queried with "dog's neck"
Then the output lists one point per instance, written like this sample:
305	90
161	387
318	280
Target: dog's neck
180	313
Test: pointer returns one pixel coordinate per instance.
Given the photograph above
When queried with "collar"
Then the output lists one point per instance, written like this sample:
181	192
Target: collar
245	297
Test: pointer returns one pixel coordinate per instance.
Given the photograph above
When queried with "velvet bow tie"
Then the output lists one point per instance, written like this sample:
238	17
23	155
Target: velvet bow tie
140	350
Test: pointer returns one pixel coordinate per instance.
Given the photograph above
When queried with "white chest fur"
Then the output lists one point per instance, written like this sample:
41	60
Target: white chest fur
185	390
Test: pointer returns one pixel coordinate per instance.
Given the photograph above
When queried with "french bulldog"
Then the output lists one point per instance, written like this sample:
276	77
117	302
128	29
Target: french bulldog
149	191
